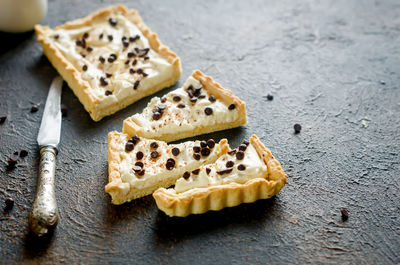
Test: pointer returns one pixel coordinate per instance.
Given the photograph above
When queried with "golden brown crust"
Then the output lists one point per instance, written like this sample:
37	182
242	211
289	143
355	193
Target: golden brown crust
81	87
131	128
122	192
215	198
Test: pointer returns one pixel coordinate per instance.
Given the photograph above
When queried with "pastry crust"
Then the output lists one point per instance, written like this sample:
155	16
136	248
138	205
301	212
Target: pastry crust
201	200
72	75
131	128
116	188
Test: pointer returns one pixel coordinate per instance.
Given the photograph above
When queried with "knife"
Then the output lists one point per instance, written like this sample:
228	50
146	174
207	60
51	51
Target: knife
44	213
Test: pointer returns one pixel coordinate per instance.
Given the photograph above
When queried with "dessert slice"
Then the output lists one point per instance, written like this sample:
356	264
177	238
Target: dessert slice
110	59
200	106
138	166
243	175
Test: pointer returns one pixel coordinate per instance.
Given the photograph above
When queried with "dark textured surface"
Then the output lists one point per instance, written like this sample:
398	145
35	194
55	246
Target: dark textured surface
332	66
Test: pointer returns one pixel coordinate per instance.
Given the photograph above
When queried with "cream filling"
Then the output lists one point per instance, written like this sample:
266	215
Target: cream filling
255	168
121	83
155	169
175	119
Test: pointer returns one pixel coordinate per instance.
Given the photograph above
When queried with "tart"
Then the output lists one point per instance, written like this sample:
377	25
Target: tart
138	166
243	175
110	59
200	106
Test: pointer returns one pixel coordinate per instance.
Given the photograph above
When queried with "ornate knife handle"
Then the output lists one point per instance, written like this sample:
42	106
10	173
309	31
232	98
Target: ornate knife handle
44	214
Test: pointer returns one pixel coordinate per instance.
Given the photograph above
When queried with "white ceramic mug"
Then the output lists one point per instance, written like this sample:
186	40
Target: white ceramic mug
21	15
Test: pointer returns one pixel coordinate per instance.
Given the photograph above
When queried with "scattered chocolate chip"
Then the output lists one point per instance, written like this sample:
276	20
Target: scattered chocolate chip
225	171
212	99
140	71
156	115
246	142
146	58
132	39
232	106
175	151
129	146
186	175
201	96
56	36
139	164
154	145
86	35
123	38
141	172
163	100
210	143
143	52
170	164
196	149
242	147
108	75
196	156
113	21
136	85
270	97
110	37
79	42
84	67
130	54
205	151
108	92
241	167
229	164
103	81
112	58
34	108
144	74
9	204
139	155
208	170
193	99
135	138
132	71
208	111
102	60
196	171
345	214
154	154
83	55
3	119
127	61
101	36
232	152
181	105
134	62
297	128
137	169
239	155
197	91
23	153
89	49
203	144
161	106
125	44
176	98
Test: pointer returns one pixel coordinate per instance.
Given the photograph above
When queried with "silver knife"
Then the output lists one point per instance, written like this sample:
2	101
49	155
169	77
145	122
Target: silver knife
44	213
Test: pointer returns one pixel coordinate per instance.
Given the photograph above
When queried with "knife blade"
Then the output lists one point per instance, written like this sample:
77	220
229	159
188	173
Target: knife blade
44	214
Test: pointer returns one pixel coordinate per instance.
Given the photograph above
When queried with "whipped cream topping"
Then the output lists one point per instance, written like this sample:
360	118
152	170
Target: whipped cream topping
104	51
184	113
227	169
161	167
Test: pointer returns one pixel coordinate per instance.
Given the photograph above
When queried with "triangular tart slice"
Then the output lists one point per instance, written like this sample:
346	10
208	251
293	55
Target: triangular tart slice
138	166
200	106
243	175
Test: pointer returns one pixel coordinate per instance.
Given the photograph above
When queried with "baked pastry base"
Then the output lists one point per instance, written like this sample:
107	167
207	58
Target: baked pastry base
201	200
131	128
80	87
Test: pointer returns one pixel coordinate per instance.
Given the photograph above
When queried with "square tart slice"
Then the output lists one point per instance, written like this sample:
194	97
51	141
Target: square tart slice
138	166
110	59
200	106
243	175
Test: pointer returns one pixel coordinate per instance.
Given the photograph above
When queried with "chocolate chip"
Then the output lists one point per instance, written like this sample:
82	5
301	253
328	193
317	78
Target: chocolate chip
241	167
112	58
197	91
270	97
246	142
205	151
186	175
140	71
108	75
86	35
181	105
144	74
345	214
135	138
113	21
196	156
196	149
101	36
132	71
139	164
125	44
79	42
84	67
139	155
210	143
132	39
201	96
225	171
137	169
156	115
154	154
102	60
136	85
9	204
154	145
175	151
176	98
163	99
134	62
23	153
196	171
208	170
129	146
127	61
108	92
232	107
146	58
229	164
212	99
3	119
141	172
83	55
110	37
143	52
239	155
161	106
56	36
34	108
103	81
208	111
297	128
130	54
123	38
170	164
203	144
232	152
89	49
242	147
193	99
